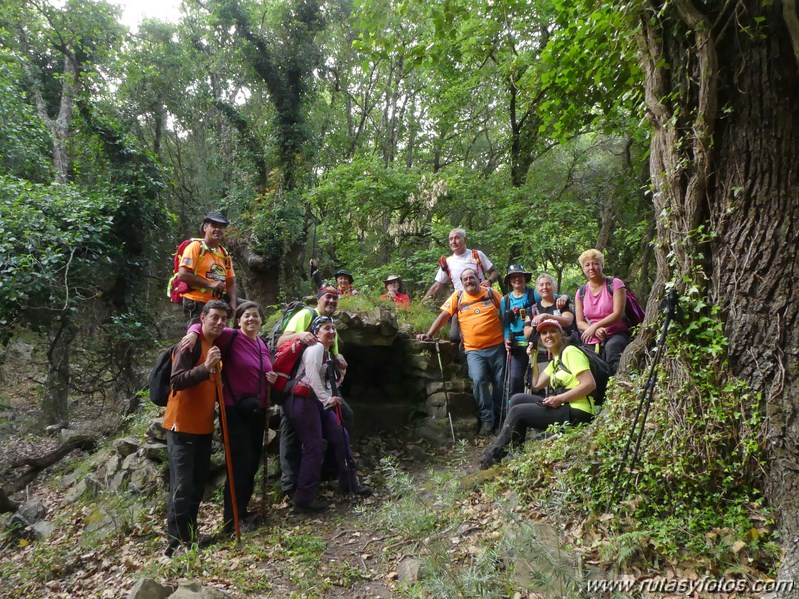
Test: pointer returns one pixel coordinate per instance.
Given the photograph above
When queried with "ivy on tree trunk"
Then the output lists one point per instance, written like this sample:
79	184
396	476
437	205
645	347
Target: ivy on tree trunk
722	91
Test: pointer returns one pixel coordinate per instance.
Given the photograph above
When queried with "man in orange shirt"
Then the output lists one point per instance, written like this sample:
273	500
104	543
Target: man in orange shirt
189	424
481	329
207	268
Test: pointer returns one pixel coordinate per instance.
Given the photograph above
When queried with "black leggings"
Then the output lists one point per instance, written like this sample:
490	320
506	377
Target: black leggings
525	412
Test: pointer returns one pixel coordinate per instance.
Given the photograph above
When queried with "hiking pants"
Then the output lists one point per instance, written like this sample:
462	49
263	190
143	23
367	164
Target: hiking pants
487	369
246	438
291	448
524	413
612	349
189	458
318	428
519	360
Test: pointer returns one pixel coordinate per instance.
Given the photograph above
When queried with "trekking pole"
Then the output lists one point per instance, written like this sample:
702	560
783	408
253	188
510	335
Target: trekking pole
503	409
446	394
349	461
645	402
228	460
264	457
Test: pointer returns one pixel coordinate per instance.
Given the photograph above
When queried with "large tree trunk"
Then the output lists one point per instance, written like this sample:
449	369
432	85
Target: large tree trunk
723	93
55	406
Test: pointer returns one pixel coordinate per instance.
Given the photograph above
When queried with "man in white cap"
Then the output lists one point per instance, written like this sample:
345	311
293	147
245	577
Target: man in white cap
393	284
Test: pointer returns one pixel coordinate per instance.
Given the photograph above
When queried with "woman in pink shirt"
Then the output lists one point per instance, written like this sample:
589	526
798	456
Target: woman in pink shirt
599	310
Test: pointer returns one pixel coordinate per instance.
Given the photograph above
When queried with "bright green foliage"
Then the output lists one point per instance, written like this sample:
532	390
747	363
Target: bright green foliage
23	137
54	251
695	490
592	77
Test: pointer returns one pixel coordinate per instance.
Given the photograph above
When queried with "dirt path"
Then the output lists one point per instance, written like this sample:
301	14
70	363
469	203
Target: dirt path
353	550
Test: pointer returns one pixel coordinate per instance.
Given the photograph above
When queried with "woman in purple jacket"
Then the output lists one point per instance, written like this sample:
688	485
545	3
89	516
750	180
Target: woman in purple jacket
246	372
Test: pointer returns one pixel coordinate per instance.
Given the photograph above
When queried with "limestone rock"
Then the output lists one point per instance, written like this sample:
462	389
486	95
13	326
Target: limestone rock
408	569
99	524
126	446
144	478
147	588
32	511
88	487
155	430
110	468
154	451
42	530
194	590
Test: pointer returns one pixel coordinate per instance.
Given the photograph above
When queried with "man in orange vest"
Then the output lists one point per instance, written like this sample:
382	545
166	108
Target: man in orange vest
189	425
207	268
478	310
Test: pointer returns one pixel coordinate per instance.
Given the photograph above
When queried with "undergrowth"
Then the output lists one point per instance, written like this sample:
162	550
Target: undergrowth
694	494
414	319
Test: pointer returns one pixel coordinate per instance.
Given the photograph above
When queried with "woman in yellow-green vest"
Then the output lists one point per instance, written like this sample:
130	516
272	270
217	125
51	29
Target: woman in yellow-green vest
569	374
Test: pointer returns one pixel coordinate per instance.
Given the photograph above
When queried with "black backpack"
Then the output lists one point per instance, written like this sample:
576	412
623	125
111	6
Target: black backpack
289	310
159	379
600	370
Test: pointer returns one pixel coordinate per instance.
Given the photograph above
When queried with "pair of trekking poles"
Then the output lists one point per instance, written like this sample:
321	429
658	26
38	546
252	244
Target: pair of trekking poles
644	403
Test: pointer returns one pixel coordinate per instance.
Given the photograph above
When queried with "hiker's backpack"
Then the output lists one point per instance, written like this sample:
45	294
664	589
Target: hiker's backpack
442	262
286	364
160	375
489	295
289	310
600	370
633	313
176	288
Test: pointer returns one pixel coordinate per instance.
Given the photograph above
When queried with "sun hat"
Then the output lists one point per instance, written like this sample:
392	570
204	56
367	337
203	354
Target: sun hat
518	269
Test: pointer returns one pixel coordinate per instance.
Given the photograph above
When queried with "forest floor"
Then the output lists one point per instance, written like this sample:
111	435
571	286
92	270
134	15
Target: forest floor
436	526
430	529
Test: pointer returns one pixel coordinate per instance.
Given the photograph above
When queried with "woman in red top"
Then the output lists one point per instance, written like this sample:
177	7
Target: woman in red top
393	286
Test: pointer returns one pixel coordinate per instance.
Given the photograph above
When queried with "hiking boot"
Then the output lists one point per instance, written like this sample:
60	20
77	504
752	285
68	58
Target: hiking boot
488	460
362	490
485	429
175	549
316	506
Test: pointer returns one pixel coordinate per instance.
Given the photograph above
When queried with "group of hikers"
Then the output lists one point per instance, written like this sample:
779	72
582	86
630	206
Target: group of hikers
501	337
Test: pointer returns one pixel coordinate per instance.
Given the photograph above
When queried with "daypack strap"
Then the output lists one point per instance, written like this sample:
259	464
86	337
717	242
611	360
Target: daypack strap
488	295
444	265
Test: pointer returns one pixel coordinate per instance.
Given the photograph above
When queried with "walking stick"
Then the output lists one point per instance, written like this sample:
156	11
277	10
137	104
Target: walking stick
264	457
228	460
645	402
446	394
505	390
349	461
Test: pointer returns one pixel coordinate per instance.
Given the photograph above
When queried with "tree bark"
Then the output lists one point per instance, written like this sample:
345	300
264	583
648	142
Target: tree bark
55	400
722	89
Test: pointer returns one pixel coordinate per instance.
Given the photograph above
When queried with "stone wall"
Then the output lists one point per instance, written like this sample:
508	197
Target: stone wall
393	380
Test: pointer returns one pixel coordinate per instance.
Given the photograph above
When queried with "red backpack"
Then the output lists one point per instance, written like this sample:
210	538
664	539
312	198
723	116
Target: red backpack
176	288
286	364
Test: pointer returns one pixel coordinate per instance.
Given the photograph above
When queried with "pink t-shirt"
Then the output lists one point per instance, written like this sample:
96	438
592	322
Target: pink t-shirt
596	307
